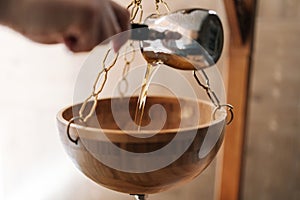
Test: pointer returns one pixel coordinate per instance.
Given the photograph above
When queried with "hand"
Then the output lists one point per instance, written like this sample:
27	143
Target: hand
80	24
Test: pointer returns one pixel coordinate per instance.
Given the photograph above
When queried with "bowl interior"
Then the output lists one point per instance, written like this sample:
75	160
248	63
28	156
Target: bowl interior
161	113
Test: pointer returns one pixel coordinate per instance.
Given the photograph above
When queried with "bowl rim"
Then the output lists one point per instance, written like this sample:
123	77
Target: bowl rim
221	117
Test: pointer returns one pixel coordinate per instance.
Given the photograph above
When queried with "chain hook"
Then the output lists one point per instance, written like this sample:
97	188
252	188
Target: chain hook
213	96
229	109
75	141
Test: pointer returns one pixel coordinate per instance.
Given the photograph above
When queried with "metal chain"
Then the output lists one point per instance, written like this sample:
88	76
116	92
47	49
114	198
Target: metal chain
213	96
135	7
130	50
83	118
157	5
96	91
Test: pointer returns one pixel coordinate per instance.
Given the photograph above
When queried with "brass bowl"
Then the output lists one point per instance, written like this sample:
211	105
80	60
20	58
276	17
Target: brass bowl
206	138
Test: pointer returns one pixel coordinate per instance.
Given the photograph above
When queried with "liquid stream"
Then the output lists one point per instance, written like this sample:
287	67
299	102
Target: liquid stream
140	106
154	60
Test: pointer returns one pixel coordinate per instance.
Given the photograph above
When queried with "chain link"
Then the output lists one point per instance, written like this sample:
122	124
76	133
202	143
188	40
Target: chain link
129	50
213	96
135	7
96	91
157	5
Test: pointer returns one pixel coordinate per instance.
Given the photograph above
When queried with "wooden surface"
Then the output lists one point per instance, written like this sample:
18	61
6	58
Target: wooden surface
235	31
233	144
238	78
189	165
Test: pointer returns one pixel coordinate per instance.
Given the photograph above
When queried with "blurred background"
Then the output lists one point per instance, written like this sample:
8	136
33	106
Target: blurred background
36	81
